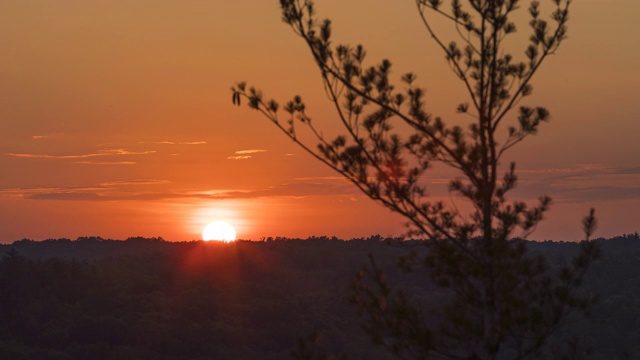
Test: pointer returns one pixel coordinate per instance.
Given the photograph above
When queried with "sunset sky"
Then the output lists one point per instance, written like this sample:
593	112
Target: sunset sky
116	119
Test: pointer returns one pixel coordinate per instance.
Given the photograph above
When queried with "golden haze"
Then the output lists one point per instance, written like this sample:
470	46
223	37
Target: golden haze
116	119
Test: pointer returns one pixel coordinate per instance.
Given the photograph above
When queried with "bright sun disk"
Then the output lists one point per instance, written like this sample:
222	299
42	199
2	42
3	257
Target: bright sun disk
220	231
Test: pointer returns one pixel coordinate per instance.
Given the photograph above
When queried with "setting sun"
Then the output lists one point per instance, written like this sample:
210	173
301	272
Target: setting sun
220	231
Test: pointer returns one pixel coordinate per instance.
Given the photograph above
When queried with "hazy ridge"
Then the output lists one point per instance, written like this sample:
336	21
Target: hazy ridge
152	299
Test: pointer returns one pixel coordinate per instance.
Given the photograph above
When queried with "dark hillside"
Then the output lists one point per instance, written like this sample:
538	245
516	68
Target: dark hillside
149	299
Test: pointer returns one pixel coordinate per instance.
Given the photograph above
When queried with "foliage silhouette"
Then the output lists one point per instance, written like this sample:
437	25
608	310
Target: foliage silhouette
504	303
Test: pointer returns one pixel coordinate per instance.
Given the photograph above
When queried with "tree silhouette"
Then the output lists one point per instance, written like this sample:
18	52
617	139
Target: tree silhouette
504	303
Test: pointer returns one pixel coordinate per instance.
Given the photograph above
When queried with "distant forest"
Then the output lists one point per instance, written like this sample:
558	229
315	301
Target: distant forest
94	298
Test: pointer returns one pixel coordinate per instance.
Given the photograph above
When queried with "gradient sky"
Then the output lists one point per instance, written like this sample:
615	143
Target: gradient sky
116	119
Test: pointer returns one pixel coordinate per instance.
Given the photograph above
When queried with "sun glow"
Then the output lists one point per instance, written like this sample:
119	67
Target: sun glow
219	231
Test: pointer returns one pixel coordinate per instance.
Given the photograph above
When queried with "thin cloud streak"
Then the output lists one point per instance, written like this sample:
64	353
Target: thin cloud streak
295	190
82	196
578	168
44	136
569	187
247	152
107	152
166	142
106	162
25	193
583	183
130	190
239	157
320	178
135	182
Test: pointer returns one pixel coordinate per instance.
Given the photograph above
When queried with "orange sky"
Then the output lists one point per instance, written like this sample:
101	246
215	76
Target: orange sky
116	119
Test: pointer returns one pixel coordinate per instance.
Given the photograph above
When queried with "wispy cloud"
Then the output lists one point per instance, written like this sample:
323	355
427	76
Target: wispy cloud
71	196
106	152
320	178
136	189
239	157
27	193
296	189
158	189
44	136
245	154
601	193
166	142
582	183
135	182
93	196
576	169
633	170
596	184
106	162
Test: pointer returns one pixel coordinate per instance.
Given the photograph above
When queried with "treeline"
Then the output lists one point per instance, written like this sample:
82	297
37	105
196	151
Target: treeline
94	298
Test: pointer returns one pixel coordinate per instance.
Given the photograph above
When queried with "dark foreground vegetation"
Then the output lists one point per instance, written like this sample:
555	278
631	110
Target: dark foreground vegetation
150	299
